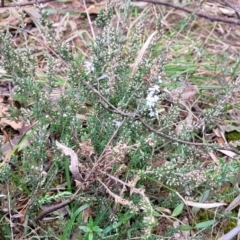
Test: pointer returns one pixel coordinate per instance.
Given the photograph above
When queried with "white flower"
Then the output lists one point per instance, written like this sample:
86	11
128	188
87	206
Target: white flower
118	123
152	99
88	66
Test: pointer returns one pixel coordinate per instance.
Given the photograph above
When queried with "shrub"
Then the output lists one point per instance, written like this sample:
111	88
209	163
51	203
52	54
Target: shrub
120	110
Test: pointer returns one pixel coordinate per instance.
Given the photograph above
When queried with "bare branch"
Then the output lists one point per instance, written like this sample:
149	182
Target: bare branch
199	14
23	4
57	206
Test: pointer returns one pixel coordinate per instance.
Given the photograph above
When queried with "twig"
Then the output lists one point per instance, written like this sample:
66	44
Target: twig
230	235
199	14
232	7
89	20
57	206
185	142
23	4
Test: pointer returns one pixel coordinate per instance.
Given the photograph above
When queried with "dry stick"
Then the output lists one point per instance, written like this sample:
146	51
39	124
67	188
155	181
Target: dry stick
230	235
232	7
57	206
185	142
89	19
199	14
23	4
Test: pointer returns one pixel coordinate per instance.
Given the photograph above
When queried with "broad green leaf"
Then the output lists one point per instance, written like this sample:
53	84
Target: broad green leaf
97	229
90	236
85	228
185	227
178	210
205	224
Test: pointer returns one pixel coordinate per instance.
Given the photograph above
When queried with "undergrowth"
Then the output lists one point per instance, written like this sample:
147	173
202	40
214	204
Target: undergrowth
134	122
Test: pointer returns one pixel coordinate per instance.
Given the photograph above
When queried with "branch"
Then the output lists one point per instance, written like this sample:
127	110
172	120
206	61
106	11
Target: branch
137	117
57	206
23	4
199	14
232	7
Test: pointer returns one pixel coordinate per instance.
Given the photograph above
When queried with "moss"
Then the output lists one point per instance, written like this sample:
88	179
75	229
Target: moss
204	215
233	136
231	223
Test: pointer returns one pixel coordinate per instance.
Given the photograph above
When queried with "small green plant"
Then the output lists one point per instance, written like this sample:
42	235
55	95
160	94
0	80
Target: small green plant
91	230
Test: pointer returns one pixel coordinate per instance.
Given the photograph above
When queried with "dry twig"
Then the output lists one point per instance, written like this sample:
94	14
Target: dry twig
57	206
199	14
22	4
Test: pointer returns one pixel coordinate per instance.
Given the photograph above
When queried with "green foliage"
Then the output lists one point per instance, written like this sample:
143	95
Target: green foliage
118	101
91	230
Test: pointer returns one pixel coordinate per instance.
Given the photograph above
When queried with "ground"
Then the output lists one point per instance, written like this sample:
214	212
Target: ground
203	57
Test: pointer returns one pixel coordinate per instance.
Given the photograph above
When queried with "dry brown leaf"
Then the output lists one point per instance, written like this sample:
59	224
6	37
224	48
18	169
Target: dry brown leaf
87	149
32	12
132	184
186	123
235	202
184	94
86	213
6	122
94	9
74	163
228	153
117	198
139	4
220	137
81	117
214	158
235	114
203	205
142	51
12	17
8	147
218	9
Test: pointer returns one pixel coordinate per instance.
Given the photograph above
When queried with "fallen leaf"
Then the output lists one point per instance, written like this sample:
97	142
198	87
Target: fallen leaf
117	198
214	158
87	149
139	4
184	94
74	163
12	17
235	202
86	213
204	205
228	153
4	121
94	9
142	51
185	124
